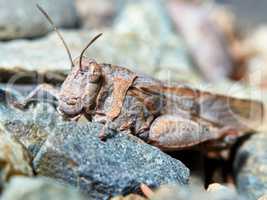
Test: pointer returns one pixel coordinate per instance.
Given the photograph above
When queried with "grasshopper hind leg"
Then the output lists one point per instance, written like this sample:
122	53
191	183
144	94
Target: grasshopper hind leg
173	132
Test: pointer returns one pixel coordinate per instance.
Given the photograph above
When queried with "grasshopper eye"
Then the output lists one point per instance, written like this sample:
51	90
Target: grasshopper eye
95	73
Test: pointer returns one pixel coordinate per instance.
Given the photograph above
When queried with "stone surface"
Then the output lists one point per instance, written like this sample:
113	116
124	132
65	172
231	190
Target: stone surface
74	154
30	127
149	47
251	167
21	18
158	50
98	13
215	187
20	59
129	197
255	42
263	197
193	192
14	158
35	55
22	188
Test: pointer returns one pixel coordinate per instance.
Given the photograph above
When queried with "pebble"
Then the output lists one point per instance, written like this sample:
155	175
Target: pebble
21	19
40	188
14	158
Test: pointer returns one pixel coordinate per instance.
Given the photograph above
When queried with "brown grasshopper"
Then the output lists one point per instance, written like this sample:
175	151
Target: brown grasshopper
168	116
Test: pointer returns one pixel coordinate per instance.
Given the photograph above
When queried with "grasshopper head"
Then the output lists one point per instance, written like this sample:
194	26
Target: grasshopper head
80	88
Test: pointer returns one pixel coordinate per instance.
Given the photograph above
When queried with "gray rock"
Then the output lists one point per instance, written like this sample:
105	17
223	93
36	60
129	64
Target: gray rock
249	14
156	48
20	59
30	127
14	159
74	154
22	188
146	18
20	18
129	197
251	167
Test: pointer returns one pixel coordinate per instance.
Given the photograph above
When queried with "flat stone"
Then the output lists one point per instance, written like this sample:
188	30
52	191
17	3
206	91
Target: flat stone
35	55
20	19
14	158
74	154
23	188
251	167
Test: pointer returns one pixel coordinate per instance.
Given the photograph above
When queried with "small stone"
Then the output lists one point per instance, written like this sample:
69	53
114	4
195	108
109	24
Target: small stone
222	192
23	188
192	192
263	197
251	167
14	158
176	192
129	197
215	187
75	154
20	19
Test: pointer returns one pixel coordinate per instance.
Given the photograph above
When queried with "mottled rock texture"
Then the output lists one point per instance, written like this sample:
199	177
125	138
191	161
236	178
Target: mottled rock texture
75	154
14	159
251	167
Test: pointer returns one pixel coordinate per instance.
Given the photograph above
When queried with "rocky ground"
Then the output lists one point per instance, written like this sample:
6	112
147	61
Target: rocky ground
45	156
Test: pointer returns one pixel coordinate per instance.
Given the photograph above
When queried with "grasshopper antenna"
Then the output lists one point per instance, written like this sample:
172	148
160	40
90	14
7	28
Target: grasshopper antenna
87	46
56	30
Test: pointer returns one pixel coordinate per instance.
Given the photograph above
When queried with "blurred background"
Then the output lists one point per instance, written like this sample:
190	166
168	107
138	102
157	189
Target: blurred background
214	45
218	45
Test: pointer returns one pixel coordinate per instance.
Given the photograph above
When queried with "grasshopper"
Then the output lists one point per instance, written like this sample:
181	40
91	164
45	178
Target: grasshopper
169	116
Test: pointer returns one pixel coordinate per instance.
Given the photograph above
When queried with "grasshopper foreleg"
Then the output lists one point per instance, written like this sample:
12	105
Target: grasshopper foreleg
40	88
